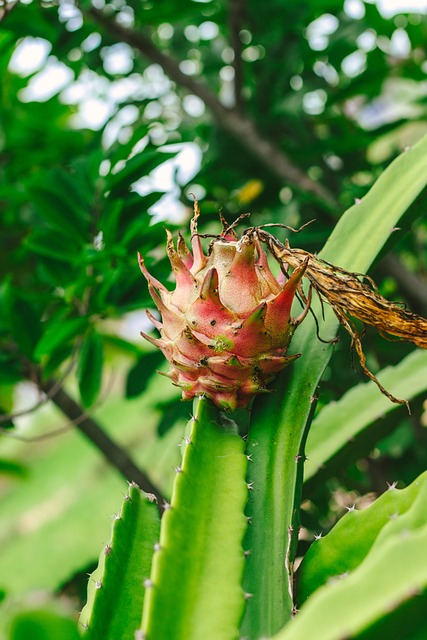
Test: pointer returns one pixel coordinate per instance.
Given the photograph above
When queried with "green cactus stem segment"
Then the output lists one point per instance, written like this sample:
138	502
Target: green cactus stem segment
375	585
197	570
277	434
116	588
346	546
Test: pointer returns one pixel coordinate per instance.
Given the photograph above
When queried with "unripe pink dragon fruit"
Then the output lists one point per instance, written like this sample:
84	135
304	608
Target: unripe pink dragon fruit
226	327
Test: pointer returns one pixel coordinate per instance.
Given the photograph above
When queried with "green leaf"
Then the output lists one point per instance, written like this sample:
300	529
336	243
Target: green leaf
57	198
339	422
12	468
280	422
10	372
22	318
116	588
89	373
58	333
49	244
140	374
197	571
52	362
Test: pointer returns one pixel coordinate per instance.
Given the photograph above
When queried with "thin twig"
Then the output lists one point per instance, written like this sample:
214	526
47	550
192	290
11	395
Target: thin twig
285	226
48	434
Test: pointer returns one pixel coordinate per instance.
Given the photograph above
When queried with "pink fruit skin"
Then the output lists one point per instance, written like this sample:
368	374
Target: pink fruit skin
226	327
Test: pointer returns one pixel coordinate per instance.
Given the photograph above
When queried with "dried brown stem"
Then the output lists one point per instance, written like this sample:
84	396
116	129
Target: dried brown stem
350	297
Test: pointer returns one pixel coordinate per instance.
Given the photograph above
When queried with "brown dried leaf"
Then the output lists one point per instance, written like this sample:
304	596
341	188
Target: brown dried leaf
349	295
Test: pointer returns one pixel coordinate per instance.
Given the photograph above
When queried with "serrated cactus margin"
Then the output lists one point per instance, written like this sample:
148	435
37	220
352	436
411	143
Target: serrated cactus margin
360	532
390	580
195	586
117	587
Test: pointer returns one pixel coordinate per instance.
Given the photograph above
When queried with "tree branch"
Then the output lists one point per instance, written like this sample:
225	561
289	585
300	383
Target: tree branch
111	450
242	128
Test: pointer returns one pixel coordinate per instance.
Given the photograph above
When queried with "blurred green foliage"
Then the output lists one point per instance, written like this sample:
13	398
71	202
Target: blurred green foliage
335	86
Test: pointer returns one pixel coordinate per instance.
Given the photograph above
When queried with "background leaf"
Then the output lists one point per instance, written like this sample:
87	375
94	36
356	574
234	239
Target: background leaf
90	368
59	333
116	588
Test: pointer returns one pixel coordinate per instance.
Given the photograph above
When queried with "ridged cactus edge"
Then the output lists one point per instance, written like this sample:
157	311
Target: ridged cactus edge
196	580
390	580
116	588
357	533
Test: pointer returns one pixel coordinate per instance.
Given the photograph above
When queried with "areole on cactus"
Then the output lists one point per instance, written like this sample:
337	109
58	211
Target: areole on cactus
227	326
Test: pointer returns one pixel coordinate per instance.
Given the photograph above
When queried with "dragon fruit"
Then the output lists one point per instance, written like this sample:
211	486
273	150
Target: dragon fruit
226	327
